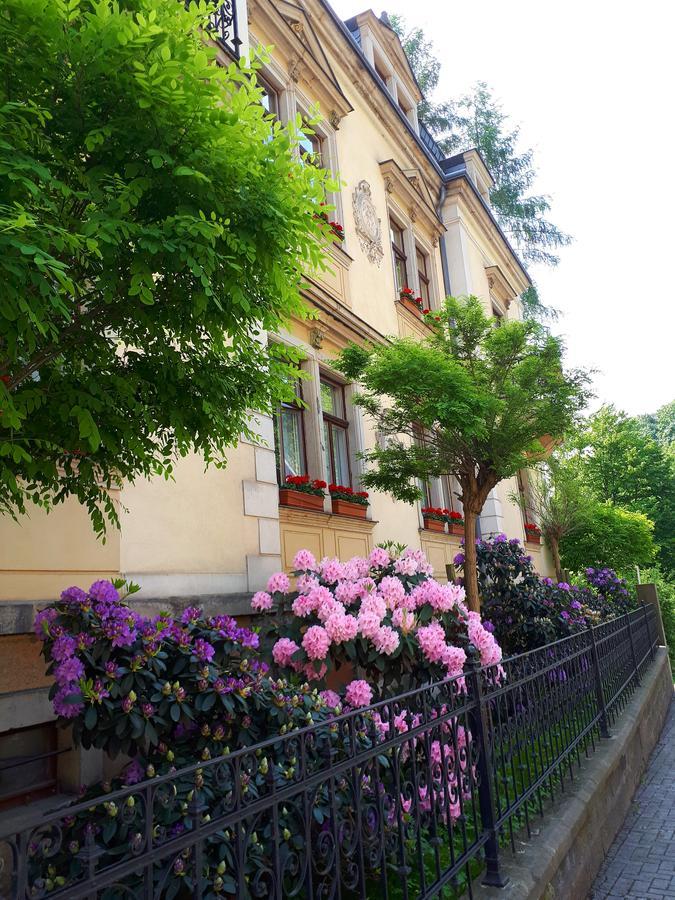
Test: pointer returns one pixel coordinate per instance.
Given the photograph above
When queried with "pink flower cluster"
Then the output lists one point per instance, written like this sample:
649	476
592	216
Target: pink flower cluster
373	614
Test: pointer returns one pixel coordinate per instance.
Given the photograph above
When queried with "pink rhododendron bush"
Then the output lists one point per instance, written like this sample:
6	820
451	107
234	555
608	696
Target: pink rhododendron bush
384	616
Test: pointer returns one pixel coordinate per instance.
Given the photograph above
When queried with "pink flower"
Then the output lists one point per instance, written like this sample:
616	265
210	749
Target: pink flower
310	672
341	627
386	640
454	659
403	619
332	570
431	639
278	583
405	565
358	693
261	601
330	698
392	590
369	624
304	560
347	592
283	651
374	604
316	642
379	558
401	722
305	583
327	607
355	568
302	606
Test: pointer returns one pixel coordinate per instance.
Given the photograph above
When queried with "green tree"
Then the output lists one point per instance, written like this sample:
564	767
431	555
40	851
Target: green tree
154	224
476	119
559	503
661	425
623	465
473	401
609	536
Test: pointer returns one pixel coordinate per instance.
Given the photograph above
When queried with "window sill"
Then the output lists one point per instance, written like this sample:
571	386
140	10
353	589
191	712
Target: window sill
321	517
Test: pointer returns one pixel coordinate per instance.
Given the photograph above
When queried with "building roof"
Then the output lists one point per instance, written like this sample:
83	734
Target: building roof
448	168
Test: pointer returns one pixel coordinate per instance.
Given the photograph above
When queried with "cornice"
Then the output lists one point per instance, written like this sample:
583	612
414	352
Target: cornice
303	63
395	179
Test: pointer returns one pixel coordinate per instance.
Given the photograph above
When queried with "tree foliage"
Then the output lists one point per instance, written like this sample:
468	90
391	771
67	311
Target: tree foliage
154	223
621	464
471	401
609	536
476	119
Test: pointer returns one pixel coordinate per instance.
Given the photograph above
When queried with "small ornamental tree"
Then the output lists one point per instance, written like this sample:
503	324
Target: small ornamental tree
558	502
473	401
154	224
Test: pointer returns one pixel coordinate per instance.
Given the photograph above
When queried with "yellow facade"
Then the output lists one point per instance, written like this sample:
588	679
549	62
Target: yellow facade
214	536
221	532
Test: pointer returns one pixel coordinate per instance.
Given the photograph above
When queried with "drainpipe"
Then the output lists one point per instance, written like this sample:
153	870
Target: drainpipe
444	252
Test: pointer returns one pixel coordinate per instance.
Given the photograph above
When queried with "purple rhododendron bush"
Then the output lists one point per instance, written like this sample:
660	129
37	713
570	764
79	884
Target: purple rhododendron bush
383	617
172	693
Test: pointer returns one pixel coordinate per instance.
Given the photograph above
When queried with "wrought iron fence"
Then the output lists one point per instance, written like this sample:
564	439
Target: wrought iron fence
415	797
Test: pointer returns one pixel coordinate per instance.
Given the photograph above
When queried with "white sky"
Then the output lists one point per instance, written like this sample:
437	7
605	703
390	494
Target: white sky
592	85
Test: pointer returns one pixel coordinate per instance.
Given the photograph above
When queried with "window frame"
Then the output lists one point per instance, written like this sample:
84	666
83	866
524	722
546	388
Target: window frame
424	277
272	92
296	407
338	422
399	256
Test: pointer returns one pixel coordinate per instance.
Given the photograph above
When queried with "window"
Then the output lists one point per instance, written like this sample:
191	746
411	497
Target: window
335	432
311	143
450	491
400	259
525	500
498	314
423	275
289	439
270	98
27	764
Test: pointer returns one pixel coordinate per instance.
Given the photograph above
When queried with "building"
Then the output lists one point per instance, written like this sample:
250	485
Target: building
411	218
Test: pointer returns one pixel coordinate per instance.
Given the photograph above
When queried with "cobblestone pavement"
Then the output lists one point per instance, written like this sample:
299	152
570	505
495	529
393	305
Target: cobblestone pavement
641	861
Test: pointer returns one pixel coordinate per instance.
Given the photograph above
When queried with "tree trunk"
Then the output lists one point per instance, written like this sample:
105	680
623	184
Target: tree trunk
555	553
470	560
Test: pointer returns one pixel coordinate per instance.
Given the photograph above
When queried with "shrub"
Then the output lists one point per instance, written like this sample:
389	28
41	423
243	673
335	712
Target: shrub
128	684
524	610
384	616
174	692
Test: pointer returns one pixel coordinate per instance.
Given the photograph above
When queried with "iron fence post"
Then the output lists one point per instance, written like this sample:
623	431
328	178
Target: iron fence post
649	631
632	651
480	730
599	693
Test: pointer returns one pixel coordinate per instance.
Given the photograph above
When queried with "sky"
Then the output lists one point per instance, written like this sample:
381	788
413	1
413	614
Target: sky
592	86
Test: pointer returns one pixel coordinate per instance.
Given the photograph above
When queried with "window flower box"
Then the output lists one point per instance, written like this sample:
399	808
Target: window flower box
412	303
434	519
347	502
455	522
532	533
301	492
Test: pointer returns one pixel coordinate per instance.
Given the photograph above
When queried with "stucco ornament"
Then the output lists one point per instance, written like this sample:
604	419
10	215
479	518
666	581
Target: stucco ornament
368	224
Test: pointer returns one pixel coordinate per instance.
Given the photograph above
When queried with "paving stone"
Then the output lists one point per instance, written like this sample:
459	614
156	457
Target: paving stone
640	864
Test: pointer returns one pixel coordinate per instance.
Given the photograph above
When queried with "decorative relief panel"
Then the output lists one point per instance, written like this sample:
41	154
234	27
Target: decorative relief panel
368	224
